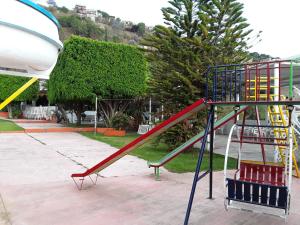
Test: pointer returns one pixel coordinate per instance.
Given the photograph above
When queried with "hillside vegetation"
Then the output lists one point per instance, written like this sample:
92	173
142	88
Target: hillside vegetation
105	27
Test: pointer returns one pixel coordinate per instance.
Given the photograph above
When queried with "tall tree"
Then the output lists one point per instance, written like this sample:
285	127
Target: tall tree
182	17
199	33
89	68
224	31
141	29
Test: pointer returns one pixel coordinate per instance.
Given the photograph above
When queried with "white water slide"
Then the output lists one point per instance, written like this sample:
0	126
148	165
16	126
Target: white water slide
29	40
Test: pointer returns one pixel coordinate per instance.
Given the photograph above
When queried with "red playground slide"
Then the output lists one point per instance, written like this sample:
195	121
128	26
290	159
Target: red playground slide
184	114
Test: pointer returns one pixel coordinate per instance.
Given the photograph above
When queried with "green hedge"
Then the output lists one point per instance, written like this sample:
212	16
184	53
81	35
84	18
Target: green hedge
88	67
9	84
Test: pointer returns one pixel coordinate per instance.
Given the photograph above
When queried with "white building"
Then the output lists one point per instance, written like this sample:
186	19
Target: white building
82	11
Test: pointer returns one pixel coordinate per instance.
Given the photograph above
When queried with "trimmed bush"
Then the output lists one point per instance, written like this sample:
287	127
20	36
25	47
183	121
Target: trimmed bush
9	84
87	68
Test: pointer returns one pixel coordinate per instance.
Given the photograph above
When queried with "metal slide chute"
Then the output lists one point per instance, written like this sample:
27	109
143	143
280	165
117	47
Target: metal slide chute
182	115
219	123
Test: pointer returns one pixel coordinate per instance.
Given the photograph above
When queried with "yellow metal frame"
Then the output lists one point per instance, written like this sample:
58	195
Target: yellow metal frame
18	92
276	119
279	119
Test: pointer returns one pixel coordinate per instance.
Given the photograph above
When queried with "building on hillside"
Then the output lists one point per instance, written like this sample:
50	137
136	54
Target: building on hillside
111	19
127	24
80	10
92	14
83	12
52	3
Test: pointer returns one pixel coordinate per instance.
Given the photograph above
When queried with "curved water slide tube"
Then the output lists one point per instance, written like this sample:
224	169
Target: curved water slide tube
29	40
182	115
193	140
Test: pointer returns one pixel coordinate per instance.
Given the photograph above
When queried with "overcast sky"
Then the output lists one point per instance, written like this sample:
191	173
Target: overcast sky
277	19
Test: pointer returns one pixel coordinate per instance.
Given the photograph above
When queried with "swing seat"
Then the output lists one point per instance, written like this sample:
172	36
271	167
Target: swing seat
259	184
260	173
257	193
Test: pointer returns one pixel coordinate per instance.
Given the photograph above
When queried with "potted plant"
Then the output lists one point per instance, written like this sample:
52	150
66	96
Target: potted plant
4	114
119	122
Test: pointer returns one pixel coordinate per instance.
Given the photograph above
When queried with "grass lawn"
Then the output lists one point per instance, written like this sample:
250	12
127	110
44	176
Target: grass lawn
150	151
6	125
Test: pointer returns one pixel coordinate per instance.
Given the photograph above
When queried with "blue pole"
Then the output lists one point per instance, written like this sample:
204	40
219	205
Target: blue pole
197	171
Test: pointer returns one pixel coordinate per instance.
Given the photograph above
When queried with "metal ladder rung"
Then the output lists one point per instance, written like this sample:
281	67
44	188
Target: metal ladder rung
261	87
265	79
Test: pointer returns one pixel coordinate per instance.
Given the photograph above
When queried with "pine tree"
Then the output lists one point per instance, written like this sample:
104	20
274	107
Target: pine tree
182	17
199	33
224	31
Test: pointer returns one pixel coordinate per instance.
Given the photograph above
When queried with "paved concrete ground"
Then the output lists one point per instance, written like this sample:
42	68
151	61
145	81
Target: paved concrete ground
39	125
36	188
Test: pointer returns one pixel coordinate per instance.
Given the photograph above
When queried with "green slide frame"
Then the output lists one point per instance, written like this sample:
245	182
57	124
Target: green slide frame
157	164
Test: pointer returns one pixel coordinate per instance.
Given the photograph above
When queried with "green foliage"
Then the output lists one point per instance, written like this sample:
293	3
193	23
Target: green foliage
255	56
16	112
179	134
116	39
81	26
198	34
224	31
9	84
140	29
251	113
6	125
104	14
105	27
88	68
120	121
63	9
183	131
